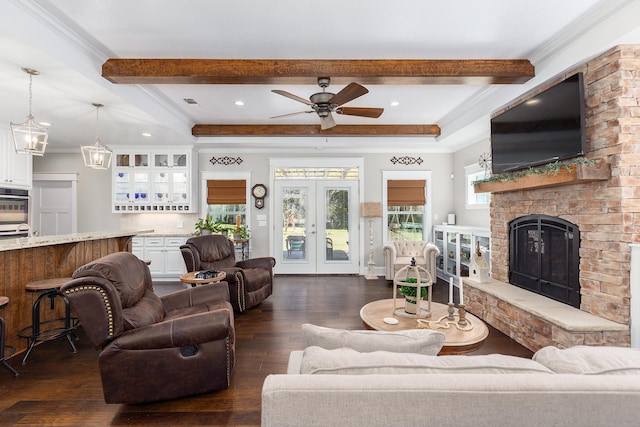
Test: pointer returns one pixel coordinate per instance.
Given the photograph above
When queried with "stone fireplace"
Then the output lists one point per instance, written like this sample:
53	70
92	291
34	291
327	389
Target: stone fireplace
544	257
606	212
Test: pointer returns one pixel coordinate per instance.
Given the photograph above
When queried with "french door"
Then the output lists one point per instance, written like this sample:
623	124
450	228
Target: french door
316	227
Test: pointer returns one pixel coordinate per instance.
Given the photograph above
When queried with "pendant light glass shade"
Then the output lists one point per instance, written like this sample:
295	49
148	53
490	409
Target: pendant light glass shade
97	156
29	137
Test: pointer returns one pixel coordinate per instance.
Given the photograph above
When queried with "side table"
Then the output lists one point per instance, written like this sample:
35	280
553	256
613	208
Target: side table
190	279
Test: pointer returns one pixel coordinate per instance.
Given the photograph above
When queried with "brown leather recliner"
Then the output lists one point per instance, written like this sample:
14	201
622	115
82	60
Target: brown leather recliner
152	348
250	281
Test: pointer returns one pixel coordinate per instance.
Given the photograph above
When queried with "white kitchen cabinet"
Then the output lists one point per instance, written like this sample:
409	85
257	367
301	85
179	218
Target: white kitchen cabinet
164	254
153	181
137	247
16	170
456	245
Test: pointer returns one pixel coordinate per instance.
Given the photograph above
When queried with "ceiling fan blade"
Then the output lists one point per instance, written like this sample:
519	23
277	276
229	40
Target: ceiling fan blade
292	96
348	93
327	122
292	114
373	113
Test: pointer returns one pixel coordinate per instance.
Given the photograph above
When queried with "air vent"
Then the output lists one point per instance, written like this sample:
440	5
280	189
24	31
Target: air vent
190	101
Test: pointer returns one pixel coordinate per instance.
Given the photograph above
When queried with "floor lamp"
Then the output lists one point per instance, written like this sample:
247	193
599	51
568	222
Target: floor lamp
371	210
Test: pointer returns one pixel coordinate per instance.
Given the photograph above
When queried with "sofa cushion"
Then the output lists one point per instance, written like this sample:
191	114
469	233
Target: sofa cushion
423	341
590	360
147	311
346	361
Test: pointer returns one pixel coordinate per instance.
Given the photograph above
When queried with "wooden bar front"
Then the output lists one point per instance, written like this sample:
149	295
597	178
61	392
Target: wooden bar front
21	265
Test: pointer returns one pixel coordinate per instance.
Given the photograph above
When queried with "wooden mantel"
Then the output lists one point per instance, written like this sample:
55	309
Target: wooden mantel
574	174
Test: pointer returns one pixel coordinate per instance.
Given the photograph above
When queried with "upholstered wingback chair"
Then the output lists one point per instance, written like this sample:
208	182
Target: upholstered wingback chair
398	254
250	281
152	348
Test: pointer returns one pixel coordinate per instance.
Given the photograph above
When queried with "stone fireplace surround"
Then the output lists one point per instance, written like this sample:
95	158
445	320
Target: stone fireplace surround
607	213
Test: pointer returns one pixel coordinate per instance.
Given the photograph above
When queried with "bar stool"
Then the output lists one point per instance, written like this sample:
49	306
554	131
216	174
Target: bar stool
3	303
49	288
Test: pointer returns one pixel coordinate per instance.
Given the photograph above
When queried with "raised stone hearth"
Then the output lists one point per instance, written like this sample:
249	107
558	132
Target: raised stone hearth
536	321
607	213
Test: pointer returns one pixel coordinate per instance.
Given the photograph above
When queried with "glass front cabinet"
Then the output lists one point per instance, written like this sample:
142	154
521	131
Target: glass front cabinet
456	245
153	181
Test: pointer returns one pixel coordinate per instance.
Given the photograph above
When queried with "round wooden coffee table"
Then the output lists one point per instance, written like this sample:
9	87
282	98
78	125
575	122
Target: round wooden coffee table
190	279
456	341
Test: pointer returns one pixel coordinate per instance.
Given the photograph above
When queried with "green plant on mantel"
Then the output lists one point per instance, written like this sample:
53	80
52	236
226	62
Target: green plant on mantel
549	169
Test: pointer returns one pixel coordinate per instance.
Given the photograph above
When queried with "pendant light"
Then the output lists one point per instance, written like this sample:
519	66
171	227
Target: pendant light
29	137
97	156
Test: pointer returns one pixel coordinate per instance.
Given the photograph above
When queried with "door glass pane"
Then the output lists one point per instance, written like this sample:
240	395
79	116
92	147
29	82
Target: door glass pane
294	231
179	181
141	186
122	187
337	225
160	187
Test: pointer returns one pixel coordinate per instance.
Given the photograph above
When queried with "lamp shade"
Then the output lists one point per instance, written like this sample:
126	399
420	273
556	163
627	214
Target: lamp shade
371	209
96	156
29	137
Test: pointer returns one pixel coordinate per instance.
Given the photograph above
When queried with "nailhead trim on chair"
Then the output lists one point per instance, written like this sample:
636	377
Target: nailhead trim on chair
228	362
107	304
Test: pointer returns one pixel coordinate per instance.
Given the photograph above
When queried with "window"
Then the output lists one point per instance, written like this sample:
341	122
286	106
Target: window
227	200
475	200
407	211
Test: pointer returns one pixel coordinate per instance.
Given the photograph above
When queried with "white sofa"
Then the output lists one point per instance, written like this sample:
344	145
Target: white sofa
582	386
398	254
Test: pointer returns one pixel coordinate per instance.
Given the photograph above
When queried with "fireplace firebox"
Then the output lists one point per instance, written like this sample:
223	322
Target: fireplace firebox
544	257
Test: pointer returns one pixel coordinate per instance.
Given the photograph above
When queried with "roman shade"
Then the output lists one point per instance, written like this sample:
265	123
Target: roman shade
406	192
226	192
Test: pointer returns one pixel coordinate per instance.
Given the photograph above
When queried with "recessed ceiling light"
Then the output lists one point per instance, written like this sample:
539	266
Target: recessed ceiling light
394	103
532	101
239	103
146	134
44	124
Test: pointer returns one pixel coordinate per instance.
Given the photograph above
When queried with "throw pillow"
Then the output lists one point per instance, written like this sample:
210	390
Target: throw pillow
346	361
590	360
423	341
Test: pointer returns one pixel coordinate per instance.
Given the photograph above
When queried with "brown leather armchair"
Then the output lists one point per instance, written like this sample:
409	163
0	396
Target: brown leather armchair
152	348
250	281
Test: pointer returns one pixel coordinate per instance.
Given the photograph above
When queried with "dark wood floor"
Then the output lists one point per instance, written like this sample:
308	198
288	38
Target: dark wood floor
58	388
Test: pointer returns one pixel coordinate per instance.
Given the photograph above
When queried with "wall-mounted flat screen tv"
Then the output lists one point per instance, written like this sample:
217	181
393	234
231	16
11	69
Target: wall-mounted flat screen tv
546	128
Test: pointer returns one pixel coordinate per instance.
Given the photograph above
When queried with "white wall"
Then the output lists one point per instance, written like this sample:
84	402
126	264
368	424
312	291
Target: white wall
258	164
465	157
94	190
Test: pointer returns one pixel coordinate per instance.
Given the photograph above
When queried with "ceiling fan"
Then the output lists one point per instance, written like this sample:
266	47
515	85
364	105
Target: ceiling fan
324	103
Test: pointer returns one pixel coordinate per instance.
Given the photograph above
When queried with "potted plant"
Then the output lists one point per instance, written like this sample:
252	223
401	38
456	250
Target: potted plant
207	226
409	291
241	233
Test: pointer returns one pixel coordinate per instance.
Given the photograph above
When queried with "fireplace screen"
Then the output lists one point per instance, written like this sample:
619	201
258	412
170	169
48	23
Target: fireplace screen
544	257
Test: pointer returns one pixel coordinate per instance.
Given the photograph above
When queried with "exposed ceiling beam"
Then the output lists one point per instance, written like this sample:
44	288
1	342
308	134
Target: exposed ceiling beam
291	71
314	130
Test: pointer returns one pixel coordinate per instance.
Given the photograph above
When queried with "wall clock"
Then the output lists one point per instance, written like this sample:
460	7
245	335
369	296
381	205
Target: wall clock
259	192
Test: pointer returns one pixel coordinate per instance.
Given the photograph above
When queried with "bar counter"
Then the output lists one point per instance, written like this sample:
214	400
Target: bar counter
28	259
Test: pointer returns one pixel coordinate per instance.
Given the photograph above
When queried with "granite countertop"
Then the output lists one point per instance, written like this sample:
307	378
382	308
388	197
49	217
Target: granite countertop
32	242
156	233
